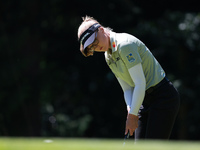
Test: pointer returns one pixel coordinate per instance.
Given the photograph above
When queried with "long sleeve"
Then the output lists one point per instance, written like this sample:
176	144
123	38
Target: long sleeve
138	78
128	91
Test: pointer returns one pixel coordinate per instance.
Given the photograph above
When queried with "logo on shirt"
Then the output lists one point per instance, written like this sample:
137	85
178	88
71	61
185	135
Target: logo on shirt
113	44
130	58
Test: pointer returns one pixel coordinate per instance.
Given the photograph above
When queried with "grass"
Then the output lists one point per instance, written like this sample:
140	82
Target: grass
92	144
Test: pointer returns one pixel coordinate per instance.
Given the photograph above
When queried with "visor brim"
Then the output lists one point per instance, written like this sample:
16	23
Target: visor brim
89	41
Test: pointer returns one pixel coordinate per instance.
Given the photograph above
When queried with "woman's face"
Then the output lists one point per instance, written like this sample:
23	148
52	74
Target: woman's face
102	40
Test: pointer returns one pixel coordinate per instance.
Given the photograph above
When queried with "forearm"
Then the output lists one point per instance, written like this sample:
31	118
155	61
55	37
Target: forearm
128	97
128	91
138	77
137	98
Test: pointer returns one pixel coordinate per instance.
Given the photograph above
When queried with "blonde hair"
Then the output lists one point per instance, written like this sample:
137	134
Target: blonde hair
87	20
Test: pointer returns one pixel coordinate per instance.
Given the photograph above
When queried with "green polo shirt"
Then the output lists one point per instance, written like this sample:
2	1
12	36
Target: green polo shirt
128	51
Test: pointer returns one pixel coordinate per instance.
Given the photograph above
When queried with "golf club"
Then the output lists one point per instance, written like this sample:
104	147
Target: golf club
126	137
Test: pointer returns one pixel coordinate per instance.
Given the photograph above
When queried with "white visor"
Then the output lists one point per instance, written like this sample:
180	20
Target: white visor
89	41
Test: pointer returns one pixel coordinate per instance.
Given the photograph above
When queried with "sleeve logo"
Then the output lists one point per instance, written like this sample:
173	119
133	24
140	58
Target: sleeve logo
130	58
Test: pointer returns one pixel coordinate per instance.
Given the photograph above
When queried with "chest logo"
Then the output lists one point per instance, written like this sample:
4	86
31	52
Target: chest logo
113	44
130	57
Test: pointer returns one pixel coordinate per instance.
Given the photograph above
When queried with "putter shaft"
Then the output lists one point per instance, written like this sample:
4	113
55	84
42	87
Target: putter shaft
126	137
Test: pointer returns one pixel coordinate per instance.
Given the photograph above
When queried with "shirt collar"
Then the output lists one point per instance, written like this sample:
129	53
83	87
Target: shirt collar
113	41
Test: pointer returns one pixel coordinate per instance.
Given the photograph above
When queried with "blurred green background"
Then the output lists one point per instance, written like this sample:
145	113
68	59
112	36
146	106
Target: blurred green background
47	88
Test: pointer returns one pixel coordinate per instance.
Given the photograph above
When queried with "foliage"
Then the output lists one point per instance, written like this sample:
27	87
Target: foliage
49	89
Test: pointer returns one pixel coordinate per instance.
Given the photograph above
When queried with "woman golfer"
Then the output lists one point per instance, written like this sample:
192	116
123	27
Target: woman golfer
151	99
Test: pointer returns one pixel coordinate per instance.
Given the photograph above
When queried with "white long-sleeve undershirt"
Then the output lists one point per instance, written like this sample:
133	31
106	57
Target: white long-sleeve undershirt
134	96
128	91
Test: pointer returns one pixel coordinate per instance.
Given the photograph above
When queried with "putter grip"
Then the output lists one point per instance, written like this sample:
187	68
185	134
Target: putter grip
127	135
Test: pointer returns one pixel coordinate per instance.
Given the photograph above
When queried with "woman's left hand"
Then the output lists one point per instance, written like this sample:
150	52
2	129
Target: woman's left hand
131	123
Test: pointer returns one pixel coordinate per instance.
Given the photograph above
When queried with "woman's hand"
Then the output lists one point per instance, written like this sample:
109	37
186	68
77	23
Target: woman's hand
131	123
